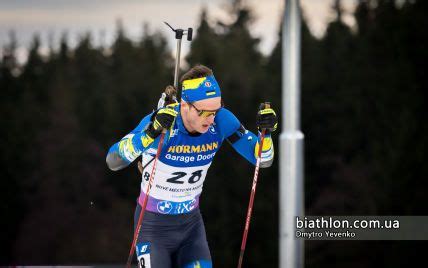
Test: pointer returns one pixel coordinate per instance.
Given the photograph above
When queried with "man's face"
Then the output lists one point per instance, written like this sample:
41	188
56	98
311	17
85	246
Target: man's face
196	116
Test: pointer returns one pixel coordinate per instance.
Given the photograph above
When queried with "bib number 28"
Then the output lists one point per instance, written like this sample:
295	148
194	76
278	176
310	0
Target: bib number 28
179	177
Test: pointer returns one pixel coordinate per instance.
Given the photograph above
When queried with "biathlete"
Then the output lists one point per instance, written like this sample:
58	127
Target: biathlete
172	232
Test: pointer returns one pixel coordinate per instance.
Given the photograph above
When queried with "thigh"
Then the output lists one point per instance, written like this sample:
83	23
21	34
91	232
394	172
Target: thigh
195	251
152	255
154	244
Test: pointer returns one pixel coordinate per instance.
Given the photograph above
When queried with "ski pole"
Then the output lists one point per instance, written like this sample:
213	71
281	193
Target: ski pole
169	92
252	195
143	208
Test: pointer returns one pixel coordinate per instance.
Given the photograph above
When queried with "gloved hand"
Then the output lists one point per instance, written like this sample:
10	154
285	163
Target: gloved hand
163	119
266	118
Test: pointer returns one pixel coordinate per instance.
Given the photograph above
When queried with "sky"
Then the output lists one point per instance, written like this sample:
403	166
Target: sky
51	18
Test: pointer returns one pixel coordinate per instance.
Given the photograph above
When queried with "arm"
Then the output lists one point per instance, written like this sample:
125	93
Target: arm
143	137
122	153
243	141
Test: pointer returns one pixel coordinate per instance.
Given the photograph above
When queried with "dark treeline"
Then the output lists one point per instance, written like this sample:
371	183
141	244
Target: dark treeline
364	93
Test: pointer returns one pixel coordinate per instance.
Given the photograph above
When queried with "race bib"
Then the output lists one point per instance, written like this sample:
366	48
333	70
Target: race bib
175	184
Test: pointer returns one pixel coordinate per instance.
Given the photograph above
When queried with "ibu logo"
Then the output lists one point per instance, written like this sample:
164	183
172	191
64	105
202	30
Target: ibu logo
164	207
174	133
143	248
212	130
208	84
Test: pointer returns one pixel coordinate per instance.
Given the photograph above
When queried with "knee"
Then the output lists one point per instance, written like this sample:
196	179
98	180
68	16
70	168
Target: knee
199	264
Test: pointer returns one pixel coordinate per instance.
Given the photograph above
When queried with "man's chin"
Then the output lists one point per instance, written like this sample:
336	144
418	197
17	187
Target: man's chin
203	129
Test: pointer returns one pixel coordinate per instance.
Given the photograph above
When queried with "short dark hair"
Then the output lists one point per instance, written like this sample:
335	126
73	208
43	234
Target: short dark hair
197	71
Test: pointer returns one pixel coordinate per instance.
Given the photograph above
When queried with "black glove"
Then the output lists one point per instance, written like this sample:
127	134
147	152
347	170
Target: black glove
266	118
163	119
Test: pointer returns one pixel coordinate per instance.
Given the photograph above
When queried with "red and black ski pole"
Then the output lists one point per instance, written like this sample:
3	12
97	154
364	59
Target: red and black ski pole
252	195
143	208
170	92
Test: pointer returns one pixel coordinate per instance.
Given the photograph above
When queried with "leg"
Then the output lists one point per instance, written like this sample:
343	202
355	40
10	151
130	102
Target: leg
199	264
150	255
152	249
195	253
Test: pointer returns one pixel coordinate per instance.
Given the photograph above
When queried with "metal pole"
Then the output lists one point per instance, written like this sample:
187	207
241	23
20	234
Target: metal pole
291	250
170	96
177	63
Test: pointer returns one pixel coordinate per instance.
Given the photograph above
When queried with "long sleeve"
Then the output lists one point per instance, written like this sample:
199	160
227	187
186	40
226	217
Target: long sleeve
243	141
124	152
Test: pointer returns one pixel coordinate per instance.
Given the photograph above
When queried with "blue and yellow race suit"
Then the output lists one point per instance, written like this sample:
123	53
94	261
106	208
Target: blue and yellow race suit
178	182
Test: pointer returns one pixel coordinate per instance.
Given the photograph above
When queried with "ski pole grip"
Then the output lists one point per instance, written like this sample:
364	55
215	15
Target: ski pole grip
267	106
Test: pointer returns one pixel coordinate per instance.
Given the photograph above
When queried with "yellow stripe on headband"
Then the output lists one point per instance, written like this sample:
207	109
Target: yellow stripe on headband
193	83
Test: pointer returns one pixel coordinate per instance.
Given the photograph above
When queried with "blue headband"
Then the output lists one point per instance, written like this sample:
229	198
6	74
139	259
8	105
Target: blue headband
200	89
